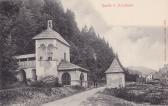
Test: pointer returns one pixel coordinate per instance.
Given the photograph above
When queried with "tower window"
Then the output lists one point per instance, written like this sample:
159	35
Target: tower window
41	58
49	58
65	56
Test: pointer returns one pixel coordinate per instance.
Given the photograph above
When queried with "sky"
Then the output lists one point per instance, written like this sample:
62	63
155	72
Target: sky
134	28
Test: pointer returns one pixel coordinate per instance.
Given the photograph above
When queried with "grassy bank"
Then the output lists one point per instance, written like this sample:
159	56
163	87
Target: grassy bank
29	96
141	93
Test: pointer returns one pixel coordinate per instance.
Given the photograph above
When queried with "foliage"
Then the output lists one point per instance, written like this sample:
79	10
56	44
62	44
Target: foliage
129	76
49	81
77	87
33	96
140	94
8	14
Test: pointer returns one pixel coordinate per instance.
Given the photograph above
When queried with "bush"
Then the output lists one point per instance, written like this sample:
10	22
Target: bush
49	81
30	96
77	87
121	93
38	84
7	79
131	96
154	100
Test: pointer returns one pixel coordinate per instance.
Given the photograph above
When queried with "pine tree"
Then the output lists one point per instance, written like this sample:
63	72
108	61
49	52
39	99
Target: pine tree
7	62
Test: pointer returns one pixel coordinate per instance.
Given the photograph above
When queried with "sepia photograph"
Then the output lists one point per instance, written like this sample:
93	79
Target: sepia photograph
83	52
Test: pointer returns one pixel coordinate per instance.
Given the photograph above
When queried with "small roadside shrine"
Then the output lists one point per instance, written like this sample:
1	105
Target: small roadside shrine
115	76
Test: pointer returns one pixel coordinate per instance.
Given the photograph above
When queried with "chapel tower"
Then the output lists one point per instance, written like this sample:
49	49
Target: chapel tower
50	49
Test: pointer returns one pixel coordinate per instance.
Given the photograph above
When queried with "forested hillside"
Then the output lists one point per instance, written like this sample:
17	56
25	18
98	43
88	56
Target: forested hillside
21	20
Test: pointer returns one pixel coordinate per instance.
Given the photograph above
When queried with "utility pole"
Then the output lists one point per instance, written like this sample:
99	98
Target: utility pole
165	43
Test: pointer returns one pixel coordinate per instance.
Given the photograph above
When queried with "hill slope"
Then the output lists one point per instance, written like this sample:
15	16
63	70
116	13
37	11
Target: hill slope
142	70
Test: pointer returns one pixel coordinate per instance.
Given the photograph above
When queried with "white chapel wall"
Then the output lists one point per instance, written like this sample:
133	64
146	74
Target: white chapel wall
115	80
44	67
61	49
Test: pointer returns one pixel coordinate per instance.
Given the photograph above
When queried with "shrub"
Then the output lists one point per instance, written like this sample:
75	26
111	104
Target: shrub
124	93
77	87
155	100
48	81
38	84
31	95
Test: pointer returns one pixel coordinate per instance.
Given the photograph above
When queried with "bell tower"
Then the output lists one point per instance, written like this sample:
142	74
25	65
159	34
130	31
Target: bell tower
51	48
46	50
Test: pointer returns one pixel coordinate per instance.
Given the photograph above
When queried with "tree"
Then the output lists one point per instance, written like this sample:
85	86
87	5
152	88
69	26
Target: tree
8	13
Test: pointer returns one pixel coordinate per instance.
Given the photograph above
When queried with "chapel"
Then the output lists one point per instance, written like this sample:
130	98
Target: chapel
52	58
115	75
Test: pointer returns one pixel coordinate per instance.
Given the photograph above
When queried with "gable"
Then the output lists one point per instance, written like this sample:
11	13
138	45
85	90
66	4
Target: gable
64	65
115	67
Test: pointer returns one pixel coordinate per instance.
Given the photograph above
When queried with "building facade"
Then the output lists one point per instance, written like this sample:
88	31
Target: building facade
52	58
149	77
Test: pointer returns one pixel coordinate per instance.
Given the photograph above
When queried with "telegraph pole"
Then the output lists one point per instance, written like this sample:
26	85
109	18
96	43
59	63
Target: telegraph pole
165	43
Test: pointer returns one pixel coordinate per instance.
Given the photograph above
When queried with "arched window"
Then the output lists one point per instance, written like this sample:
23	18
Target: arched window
66	79
34	76
42	52
50	51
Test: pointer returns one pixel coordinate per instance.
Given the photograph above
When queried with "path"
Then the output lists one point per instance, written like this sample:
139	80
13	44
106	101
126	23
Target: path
74	100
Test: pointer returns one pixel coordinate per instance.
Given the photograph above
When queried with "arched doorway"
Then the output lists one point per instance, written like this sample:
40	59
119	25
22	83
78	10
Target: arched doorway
81	79
22	76
34	76
66	79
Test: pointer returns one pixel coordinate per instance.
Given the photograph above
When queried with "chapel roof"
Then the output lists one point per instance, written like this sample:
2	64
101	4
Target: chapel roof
64	65
115	67
49	33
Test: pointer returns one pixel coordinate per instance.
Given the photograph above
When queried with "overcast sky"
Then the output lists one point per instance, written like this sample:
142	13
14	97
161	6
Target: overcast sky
134	31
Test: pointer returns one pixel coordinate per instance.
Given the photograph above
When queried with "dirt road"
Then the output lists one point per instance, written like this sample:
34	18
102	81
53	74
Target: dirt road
74	100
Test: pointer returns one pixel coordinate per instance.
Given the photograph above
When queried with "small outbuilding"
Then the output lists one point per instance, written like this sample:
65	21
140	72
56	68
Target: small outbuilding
149	77
115	76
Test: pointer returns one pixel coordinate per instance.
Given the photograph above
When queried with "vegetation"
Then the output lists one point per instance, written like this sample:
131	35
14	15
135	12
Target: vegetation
35	96
141	93
21	20
48	81
8	14
130	77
